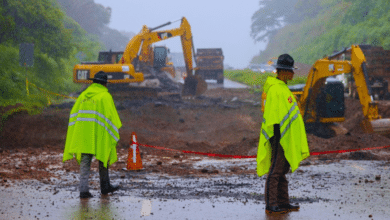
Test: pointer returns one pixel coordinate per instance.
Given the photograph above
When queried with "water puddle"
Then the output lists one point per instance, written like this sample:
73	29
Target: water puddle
343	190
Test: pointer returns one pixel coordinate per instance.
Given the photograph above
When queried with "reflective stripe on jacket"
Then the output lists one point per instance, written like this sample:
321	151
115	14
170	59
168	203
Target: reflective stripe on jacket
93	126
280	107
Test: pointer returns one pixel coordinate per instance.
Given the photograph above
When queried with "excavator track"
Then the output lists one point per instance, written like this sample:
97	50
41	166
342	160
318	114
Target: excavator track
139	91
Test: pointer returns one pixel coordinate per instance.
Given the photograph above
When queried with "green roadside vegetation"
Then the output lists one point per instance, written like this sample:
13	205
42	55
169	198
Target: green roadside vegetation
58	42
330	25
256	80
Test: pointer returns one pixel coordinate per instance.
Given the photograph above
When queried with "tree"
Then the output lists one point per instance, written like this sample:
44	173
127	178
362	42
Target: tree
39	22
7	23
115	40
271	16
336	24
304	9
92	17
274	14
359	12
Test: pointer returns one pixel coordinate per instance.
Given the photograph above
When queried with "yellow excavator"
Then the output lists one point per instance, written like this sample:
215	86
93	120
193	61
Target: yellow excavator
322	101
160	60
134	64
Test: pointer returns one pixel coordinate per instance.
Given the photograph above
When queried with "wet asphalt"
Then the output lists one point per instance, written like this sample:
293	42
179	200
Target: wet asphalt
227	84
345	189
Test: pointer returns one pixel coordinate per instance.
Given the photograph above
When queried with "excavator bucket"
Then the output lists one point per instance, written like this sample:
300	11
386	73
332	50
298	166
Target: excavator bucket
194	86
380	126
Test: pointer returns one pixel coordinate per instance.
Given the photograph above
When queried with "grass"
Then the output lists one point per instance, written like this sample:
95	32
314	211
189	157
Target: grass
256	80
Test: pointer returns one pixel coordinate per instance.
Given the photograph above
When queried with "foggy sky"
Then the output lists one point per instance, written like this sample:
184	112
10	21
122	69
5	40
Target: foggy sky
214	23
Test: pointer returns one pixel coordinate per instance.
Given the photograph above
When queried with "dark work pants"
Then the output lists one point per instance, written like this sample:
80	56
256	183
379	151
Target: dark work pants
85	167
276	185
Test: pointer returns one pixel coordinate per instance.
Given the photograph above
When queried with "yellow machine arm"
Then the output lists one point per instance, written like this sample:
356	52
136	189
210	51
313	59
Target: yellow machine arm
147	36
136	52
326	67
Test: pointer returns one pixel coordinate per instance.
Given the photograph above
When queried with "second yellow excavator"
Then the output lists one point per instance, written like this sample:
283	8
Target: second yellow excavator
133	66
322	101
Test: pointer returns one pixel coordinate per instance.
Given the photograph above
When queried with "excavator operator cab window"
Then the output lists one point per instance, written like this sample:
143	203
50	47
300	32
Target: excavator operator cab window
109	57
118	57
330	101
160	55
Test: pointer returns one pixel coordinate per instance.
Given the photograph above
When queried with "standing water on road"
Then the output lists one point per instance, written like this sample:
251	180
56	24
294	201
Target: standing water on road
227	84
325	190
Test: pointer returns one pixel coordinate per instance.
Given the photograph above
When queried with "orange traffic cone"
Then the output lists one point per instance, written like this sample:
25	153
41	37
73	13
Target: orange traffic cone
134	161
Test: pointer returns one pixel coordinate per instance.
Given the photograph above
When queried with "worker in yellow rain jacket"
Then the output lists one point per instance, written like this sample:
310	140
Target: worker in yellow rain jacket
283	142
93	131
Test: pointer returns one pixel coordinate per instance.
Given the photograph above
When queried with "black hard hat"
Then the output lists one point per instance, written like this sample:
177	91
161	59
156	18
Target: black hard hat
99	77
285	62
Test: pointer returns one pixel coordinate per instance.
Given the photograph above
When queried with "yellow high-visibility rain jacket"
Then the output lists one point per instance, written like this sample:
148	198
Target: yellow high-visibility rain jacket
280	107
93	126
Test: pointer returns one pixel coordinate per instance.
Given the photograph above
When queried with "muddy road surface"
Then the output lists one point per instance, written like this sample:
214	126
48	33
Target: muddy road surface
227	84
324	189
35	184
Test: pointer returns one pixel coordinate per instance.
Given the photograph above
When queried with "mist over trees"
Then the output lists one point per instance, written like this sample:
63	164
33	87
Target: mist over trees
64	33
94	18
115	40
91	17
57	40
275	14
271	16
310	29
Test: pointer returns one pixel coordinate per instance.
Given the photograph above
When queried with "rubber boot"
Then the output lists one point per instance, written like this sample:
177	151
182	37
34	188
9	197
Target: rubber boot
105	186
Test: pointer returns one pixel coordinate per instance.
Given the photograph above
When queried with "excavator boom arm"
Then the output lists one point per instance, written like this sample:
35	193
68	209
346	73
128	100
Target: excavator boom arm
140	43
360	75
137	51
321	69
325	67
357	66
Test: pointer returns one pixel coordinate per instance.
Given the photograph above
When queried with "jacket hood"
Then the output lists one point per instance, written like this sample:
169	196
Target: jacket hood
270	82
94	89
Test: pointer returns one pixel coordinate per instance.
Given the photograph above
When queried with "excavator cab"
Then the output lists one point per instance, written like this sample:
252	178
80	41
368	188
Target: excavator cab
322	103
110	57
330	101
161	60
160	55
328	105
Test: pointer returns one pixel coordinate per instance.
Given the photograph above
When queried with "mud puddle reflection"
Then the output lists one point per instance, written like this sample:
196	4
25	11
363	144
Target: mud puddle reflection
325	190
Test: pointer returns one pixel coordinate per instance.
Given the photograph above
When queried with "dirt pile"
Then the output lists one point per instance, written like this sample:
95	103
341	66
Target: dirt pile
355	138
303	69
224	121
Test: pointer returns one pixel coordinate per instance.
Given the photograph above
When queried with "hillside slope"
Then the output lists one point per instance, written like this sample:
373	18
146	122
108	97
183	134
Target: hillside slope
337	24
58	41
